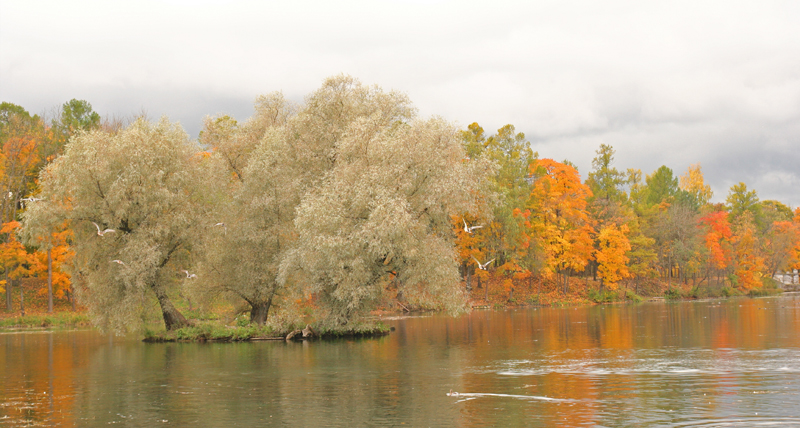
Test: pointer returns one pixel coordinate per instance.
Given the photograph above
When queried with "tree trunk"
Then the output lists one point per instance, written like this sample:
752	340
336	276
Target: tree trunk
172	318
259	312
486	289
21	302
9	306
669	272
469	280
49	281
72	297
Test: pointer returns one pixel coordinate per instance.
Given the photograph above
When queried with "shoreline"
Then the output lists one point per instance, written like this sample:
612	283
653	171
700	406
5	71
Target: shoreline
218	331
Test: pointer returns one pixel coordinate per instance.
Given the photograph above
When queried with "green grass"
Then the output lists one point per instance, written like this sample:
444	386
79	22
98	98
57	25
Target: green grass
769	287
56	320
608	296
214	331
357	329
205	331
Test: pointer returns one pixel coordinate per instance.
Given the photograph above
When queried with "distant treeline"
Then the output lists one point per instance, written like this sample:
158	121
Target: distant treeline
330	207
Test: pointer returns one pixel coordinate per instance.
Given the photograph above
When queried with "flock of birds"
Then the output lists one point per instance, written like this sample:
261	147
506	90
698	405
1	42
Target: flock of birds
469	229
102	232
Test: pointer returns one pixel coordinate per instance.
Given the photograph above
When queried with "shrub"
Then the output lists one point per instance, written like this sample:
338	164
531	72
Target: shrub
672	293
604	296
630	295
769	288
242	320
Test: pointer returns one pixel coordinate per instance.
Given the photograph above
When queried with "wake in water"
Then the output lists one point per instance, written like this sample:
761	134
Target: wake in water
474	395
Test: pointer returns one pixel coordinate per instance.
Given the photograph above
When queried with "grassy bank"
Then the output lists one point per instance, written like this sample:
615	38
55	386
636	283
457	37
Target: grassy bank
55	320
769	287
500	291
218	332
224	322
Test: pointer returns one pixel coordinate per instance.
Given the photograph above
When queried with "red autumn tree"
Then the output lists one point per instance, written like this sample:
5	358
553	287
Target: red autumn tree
717	240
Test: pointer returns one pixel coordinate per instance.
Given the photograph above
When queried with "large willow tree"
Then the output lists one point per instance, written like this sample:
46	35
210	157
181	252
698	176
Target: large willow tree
348	179
379	188
252	196
141	182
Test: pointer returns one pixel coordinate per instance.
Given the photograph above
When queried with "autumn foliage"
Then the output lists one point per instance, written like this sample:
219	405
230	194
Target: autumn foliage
407	204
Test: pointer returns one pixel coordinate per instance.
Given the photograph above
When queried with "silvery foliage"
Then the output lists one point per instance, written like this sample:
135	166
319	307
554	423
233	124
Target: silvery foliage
254	199
141	182
330	198
379	187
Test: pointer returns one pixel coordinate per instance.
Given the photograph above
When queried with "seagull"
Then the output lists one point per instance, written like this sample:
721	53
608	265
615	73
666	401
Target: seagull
482	266
120	262
470	229
101	233
219	224
192	276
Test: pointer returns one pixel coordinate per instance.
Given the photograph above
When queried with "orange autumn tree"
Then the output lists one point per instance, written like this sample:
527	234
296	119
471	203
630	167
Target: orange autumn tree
557	220
21	138
470	246
795	260
612	261
13	258
717	240
60	254
748	259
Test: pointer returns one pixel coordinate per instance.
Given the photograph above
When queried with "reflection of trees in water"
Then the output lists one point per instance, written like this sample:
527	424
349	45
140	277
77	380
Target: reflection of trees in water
613	361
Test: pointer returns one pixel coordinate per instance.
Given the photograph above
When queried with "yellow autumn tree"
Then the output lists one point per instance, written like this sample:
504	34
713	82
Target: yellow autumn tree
612	261
692	183
557	220
749	261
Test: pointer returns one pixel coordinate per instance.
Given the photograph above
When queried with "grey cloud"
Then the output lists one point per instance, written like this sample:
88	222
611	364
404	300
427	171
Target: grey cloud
664	83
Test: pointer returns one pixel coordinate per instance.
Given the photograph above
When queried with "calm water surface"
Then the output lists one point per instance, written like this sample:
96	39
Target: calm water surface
729	363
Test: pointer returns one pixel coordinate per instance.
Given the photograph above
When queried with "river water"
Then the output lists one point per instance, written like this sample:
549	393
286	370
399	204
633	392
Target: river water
710	363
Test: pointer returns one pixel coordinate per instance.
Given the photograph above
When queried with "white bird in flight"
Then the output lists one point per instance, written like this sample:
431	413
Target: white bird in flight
470	229
101	233
482	266
192	276
120	262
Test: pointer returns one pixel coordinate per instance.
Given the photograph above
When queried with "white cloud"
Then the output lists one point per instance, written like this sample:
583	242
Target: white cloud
671	83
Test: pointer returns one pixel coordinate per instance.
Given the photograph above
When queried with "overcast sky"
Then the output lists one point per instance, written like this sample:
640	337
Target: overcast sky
665	83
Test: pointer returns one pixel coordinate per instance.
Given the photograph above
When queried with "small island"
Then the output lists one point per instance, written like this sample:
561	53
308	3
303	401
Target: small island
310	220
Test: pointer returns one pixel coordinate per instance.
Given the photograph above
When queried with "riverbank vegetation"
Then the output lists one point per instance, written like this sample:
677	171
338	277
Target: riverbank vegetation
320	213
